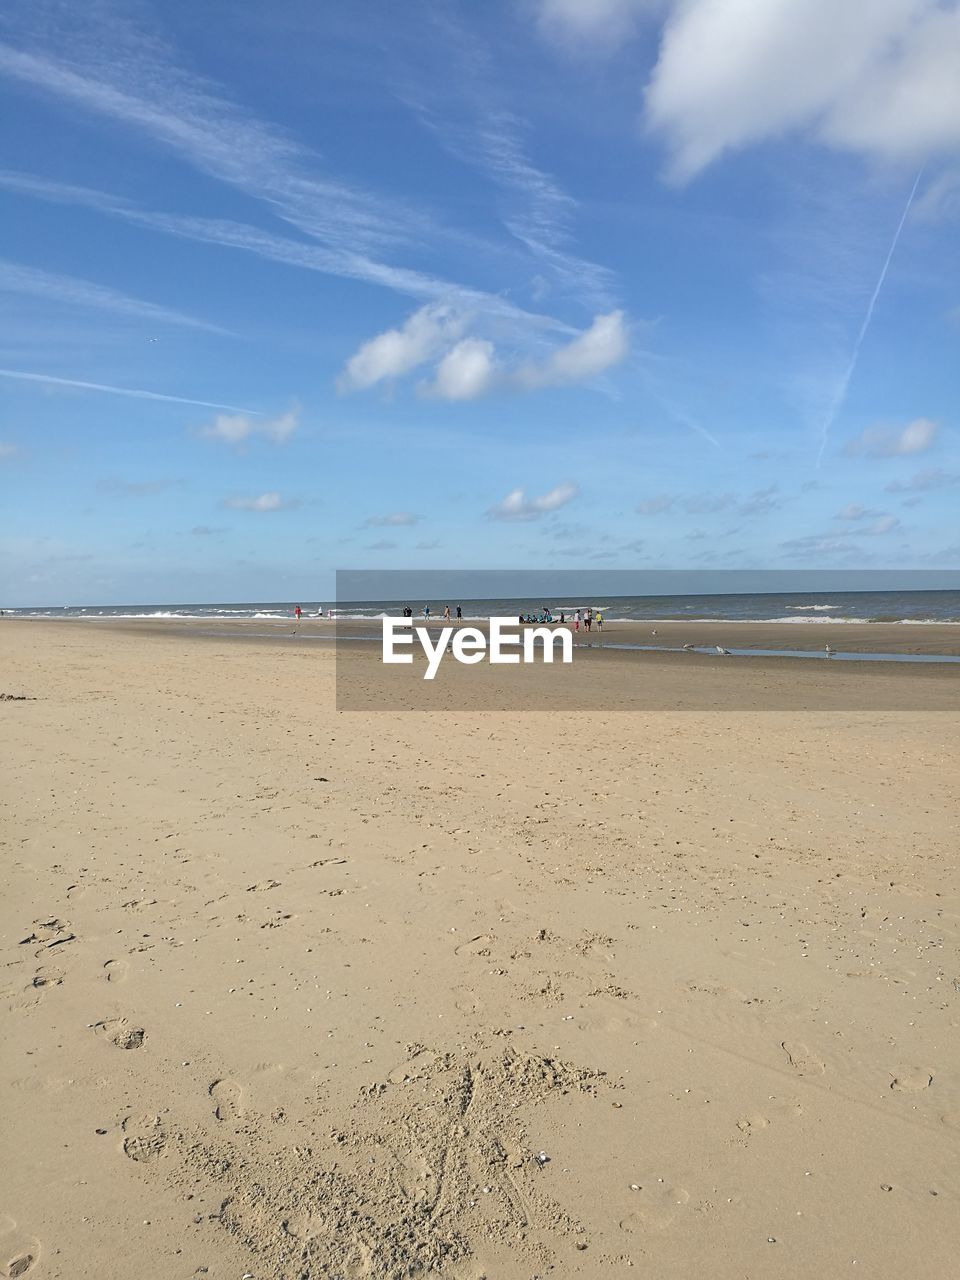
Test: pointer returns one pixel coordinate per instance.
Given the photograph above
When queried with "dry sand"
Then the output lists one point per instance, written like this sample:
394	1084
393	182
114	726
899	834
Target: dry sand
292	993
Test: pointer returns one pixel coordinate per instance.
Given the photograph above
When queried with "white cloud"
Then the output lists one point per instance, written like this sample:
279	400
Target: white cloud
601	24
237	428
882	442
395	520
469	368
398	351
517	506
262	502
466	372
8	450
880	80
598	348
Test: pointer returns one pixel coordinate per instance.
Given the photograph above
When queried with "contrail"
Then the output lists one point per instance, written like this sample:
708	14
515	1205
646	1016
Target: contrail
675	410
49	379
840	395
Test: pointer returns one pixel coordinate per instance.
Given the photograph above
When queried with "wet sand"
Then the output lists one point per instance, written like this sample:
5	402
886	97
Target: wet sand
294	991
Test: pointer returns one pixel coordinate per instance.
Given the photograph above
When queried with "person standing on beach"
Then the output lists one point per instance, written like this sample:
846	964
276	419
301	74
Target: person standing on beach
599	620
459	613
299	612
576	621
426	613
446	613
588	619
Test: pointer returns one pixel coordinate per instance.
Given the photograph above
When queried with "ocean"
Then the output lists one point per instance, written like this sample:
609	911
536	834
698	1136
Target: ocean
907	607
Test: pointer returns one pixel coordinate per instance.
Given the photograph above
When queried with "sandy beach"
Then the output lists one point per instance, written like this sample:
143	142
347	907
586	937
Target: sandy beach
295	992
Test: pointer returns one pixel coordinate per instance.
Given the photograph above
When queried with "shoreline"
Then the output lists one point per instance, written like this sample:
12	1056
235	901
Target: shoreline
847	637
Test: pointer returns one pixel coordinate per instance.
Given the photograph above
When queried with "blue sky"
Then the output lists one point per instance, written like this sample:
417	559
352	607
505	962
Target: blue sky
558	283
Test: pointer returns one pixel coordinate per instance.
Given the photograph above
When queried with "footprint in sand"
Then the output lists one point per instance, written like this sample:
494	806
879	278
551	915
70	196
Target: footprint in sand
116	970
658	1207
752	1123
46	977
478	946
802	1059
228	1098
19	1253
119	1032
359	1265
910	1080
143	1138
415	1067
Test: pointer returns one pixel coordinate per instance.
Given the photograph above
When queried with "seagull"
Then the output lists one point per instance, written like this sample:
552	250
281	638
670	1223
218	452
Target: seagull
654	631
828	651
721	649
688	646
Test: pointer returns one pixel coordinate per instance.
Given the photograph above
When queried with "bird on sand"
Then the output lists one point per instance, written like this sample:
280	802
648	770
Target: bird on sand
828	651
721	649
688	646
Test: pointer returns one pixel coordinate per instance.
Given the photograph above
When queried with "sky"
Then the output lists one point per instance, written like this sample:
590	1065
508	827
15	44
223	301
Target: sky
559	284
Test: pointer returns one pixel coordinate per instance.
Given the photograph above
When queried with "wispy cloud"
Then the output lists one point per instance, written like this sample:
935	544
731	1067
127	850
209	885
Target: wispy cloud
135	488
883	442
591	26
393	520
28	184
517	506
824	545
239	428
353	264
886	524
856	511
924	481
30	281
757	503
48	379
144	90
349	230
271	501
8	450
468	114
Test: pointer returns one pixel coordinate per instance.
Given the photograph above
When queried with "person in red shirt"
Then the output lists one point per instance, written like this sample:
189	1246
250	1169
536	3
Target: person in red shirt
298	611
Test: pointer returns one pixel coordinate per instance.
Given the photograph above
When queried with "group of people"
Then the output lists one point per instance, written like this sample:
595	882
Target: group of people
588	618
580	617
408	613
